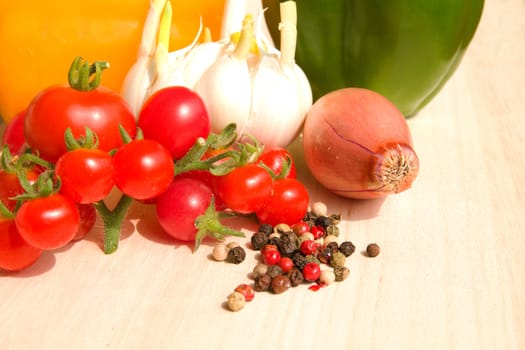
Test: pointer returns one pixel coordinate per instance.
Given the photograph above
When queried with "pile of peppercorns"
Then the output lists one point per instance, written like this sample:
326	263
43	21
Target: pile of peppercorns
307	252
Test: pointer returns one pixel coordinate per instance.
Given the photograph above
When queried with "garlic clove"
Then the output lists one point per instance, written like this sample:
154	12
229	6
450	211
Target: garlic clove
199	60
226	91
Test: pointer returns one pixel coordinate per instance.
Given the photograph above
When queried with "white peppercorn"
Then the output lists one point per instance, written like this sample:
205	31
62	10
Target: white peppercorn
236	301
220	252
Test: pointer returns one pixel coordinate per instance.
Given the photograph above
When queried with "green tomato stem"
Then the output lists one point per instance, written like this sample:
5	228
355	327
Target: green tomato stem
113	220
85	77
209	224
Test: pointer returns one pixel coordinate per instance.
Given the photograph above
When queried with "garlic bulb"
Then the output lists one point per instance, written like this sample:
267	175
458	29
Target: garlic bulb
143	72
265	93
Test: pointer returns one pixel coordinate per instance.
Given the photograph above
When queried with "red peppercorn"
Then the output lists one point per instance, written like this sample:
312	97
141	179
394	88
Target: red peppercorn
271	256
301	227
268	247
246	290
309	247
286	264
317	231
311	272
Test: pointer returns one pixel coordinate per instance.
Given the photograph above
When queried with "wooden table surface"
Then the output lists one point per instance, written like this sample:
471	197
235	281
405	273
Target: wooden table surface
451	274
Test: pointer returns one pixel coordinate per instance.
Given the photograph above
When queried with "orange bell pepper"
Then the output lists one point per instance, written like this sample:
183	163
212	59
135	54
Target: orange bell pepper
38	40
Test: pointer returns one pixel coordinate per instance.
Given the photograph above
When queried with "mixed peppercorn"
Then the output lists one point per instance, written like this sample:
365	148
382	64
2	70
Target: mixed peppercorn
307	252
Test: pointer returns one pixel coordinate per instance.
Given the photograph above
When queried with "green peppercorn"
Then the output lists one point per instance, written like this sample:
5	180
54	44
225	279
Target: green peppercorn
236	255
312	258
341	273
338	259
332	230
274	271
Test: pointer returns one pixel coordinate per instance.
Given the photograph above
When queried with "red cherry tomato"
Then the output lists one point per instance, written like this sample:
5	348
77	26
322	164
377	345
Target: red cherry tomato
274	158
13	135
86	175
56	108
179	206
88	217
245	189
288	203
10	186
175	116
48	222
15	253
143	169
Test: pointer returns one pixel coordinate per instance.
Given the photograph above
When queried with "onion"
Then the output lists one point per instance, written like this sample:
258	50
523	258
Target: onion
357	144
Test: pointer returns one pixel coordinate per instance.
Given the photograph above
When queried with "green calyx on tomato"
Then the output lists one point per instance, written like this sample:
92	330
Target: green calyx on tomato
405	50
83	76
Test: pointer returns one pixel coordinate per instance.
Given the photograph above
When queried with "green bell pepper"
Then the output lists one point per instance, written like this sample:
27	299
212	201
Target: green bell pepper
404	49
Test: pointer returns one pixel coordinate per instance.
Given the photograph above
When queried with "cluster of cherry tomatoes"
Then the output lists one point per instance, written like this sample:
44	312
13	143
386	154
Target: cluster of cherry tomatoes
69	149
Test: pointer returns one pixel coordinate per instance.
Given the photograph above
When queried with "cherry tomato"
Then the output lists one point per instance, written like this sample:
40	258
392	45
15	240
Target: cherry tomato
13	135
56	108
143	169
179	206
15	253
175	116
245	189
10	186
288	203
274	158
88	217
48	222
86	174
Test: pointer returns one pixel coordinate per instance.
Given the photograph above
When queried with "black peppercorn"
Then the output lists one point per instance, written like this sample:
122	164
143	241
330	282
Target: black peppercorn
262	283
299	260
333	246
287	244
347	248
323	221
259	240
274	271
373	250
324	255
266	228
296	277
236	255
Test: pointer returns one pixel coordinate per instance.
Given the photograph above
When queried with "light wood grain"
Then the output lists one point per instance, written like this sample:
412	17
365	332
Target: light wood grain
450	275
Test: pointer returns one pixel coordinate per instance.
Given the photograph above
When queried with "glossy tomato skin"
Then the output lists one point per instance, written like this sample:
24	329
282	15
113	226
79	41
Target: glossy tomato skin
13	135
143	169
86	175
179	206
15	253
288	203
245	189
48	222
56	108
274	158
175	116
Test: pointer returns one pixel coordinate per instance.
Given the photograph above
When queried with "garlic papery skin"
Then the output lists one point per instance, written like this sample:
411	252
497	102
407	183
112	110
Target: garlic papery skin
143	72
226	86
280	92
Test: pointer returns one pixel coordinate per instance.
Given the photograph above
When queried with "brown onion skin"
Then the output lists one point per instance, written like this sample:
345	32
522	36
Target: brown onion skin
352	137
